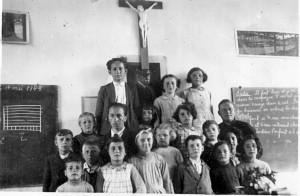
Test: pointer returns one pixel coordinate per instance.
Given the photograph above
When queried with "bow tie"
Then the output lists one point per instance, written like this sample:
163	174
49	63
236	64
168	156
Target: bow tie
118	168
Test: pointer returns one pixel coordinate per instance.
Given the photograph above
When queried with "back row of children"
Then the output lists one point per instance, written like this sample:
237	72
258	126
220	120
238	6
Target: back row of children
136	96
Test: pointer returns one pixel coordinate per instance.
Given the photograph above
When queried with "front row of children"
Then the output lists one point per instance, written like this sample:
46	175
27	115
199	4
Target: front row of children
152	171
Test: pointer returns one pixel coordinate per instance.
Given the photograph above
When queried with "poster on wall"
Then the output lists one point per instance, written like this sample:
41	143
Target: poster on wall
265	43
15	27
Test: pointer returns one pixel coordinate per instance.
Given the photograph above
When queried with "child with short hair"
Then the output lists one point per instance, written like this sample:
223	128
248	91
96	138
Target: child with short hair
231	138
251	152
185	114
74	172
119	176
93	161
54	165
168	102
149	117
211	131
198	95
225	178
152	167
193	176
86	122
165	134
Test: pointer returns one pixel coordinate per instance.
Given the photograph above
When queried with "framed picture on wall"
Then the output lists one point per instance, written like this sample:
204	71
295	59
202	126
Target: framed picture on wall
15	27
266	43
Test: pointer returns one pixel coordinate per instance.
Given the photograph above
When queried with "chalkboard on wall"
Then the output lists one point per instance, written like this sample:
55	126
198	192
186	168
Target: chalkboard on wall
28	122
273	112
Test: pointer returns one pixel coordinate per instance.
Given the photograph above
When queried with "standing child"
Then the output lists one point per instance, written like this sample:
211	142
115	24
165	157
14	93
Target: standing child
251	152
93	161
74	173
119	176
117	91
168	102
165	134
225	178
86	122
193	175
55	164
211	131
199	96
185	114
149	117
152	167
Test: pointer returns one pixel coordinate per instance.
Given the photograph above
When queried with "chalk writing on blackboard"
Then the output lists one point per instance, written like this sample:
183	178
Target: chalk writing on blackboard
273	112
19	87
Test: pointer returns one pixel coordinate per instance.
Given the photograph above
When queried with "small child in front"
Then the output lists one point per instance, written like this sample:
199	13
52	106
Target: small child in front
165	134
193	176
74	173
119	176
225	178
86	122
185	114
211	131
55	164
168	102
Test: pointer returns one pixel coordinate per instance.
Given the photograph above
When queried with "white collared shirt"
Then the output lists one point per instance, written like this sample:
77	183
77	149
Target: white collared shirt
63	156
120	133
120	92
197	165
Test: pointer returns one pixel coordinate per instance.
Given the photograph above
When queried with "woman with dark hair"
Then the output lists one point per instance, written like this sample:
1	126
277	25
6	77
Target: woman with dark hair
199	96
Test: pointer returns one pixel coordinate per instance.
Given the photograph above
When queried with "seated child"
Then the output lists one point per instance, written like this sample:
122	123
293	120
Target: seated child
231	138
152	167
86	122
225	178
165	134
192	176
74	173
251	153
119	176
168	102
55	164
185	114
149	117
93	161
211	131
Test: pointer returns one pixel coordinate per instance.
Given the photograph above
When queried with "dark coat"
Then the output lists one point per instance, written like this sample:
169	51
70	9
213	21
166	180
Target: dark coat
128	137
188	181
106	96
54	175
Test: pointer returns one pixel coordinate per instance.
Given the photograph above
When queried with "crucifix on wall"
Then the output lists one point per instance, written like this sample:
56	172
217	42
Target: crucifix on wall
142	7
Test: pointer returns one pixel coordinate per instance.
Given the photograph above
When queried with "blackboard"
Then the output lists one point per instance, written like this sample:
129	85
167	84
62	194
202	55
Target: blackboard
28	118
273	112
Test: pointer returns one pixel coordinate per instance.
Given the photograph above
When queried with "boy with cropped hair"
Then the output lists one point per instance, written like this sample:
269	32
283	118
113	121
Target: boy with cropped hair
74	171
55	164
93	161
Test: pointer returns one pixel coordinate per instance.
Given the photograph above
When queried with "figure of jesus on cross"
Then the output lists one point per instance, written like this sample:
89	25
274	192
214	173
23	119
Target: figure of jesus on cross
143	20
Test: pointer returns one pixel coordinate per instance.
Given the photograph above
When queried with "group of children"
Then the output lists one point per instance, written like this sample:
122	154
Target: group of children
177	148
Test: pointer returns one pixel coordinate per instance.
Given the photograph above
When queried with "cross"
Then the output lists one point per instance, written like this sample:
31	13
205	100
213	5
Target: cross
142	28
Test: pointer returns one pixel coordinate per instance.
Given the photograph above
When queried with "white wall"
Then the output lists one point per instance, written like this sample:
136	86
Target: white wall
72	40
